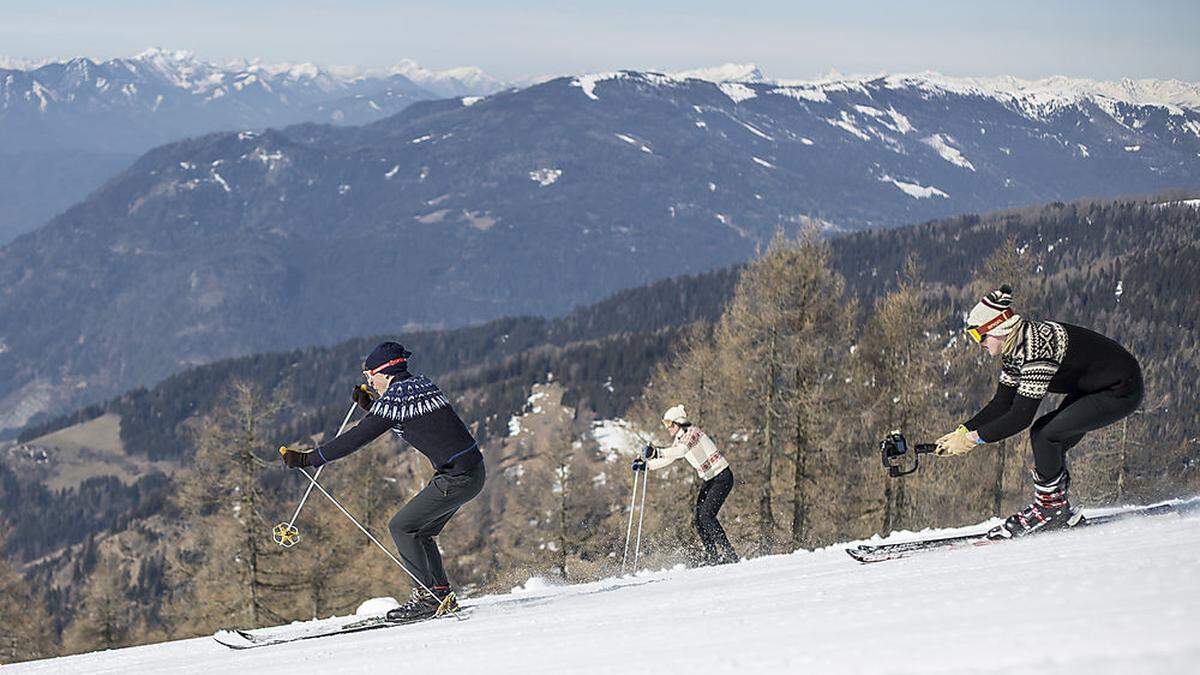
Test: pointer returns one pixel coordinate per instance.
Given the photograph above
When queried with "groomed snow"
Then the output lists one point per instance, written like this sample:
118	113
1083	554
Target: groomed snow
1112	599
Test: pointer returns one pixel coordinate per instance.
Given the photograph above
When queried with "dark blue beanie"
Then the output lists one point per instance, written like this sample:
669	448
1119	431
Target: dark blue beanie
385	352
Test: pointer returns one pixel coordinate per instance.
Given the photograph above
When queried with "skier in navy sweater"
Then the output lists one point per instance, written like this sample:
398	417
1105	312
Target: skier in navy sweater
415	409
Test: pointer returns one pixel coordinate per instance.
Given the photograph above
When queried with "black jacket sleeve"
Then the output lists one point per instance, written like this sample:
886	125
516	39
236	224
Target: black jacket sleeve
367	430
1000	403
1019	416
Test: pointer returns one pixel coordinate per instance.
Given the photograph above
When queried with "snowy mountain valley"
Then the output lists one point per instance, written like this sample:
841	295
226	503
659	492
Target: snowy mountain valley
68	126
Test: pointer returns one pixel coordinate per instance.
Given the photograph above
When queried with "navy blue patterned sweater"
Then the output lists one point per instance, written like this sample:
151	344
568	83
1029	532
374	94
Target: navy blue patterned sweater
417	411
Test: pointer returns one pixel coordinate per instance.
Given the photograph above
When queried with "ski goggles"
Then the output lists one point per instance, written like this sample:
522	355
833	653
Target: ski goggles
375	371
977	332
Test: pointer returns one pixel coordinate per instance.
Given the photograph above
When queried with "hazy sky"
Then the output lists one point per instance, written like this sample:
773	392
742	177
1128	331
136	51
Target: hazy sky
1102	39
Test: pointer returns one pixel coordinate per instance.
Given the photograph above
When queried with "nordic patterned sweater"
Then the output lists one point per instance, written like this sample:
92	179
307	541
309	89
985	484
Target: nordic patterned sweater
699	450
416	410
1054	357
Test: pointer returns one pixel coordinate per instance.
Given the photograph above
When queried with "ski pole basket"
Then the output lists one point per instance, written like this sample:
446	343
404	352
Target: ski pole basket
894	447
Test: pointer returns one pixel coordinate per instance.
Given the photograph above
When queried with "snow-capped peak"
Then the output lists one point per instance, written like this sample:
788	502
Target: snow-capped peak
728	72
180	68
16	63
1032	96
460	81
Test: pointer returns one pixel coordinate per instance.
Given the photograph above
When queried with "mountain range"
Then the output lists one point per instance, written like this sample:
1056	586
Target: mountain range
531	201
66	126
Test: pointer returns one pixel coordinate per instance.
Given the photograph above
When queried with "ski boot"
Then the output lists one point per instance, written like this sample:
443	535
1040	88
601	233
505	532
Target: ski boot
1049	510
425	605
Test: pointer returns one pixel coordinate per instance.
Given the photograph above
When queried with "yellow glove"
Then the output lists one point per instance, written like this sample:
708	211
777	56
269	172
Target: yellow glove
956	442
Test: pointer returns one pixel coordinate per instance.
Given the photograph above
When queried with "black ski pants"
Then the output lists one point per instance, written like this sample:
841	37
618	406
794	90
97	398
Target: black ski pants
423	517
1056	432
717	548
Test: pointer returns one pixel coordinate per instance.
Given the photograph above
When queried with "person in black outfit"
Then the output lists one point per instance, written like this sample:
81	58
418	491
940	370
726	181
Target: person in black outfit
1102	382
413	408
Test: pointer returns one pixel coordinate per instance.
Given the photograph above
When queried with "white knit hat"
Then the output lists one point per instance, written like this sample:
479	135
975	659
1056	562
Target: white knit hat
993	315
675	414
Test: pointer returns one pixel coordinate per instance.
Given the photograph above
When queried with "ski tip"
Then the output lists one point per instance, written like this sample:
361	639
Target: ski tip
234	639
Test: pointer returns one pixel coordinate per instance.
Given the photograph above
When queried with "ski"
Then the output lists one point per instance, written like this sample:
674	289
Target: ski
249	639
867	553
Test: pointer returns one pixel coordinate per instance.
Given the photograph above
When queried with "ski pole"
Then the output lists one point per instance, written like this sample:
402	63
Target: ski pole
629	528
375	541
286	534
641	516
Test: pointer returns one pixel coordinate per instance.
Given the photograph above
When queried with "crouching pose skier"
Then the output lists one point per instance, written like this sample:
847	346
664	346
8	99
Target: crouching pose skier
699	450
1102	382
417	411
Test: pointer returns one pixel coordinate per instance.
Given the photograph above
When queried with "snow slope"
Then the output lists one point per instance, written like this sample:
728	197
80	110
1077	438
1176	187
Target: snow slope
1115	599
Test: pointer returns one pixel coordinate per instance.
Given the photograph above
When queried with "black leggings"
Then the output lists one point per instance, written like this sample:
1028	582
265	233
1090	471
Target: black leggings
423	518
717	548
1056	432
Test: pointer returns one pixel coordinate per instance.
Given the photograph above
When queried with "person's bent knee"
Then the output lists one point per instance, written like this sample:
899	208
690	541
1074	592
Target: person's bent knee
402	526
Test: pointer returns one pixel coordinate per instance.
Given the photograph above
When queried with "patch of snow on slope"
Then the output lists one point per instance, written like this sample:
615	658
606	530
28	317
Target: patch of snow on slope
755	131
802	93
736	92
587	83
545	177
846	123
901	122
616	437
633	141
218	179
868	110
913	189
942	144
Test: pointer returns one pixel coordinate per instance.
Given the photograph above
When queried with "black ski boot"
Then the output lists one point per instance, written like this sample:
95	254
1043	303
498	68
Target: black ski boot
425	605
1049	510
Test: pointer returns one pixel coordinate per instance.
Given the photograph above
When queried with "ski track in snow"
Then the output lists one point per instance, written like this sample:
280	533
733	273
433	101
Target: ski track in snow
1122	601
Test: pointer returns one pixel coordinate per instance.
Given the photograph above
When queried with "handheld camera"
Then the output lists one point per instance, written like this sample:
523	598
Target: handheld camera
893	448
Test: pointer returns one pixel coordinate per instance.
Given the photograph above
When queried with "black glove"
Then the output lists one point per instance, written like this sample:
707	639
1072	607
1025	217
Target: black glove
650	452
296	458
364	396
639	464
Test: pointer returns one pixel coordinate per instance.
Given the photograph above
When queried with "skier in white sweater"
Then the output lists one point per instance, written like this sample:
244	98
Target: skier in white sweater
694	445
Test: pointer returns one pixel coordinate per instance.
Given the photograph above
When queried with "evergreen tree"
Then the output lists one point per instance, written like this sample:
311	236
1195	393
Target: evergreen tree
26	631
106	614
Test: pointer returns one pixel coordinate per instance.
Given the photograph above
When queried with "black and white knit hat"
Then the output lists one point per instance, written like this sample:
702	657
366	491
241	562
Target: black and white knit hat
993	315
388	358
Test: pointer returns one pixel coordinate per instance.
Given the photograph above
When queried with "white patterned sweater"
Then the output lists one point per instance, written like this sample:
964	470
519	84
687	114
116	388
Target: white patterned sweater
697	448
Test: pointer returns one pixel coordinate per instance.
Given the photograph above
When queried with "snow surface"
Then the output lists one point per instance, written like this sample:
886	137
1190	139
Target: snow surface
914	190
617	437
545	177
942	144
1111	599
736	92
